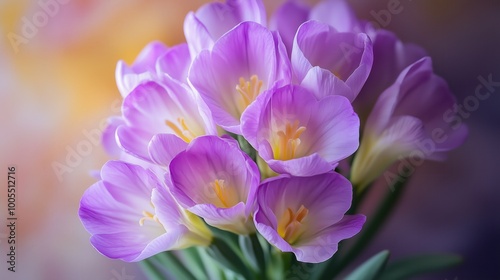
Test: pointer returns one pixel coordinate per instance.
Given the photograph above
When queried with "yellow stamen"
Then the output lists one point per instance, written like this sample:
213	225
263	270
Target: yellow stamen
290	224
183	131
288	141
148	216
248	90
226	195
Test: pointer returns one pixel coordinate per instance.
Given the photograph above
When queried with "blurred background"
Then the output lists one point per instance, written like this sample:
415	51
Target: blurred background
57	88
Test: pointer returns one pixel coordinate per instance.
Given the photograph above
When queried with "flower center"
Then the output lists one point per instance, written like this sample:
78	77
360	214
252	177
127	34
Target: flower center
226	196
287	141
248	91
290	224
148	216
181	129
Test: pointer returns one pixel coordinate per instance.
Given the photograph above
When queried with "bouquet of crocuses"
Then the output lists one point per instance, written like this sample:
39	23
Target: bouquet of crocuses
234	148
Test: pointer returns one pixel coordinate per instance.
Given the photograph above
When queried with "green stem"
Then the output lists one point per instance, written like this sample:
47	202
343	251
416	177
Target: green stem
174	266
229	258
151	271
259	254
193	259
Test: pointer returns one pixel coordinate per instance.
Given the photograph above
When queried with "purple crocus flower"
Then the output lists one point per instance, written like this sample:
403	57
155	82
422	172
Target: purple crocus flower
203	28
390	57
299	135
243	63
338	61
156	62
215	180
287	19
305	215
108	137
336	13
131	215
154	108
407	121
143	68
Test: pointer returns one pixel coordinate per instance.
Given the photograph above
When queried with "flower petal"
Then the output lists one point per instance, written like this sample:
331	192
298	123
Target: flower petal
164	147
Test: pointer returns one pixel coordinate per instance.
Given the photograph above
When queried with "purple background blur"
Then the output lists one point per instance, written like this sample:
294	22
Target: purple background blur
452	206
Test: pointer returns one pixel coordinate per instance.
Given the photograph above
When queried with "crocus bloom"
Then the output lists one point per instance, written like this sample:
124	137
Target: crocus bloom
299	135
154	108
156	62
336	13
407	121
143	68
305	215
215	180
214	19
242	64
390	57
132	216
338	61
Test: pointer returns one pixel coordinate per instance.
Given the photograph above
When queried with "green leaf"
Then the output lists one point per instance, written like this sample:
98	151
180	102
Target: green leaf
192	258
150	270
213	269
341	260
371	268
170	262
248	252
409	267
221	252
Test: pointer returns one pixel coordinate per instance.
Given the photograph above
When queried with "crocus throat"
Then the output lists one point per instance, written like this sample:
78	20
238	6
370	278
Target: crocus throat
181	130
287	141
226	195
248	91
148	216
290	224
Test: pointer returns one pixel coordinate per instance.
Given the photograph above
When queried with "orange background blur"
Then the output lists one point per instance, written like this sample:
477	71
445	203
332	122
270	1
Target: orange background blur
57	87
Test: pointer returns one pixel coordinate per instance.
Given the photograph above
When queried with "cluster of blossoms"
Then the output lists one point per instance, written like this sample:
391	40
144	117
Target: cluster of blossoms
243	127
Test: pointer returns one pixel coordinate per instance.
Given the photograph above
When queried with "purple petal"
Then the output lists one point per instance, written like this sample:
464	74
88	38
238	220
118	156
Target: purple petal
225	177
133	247
326	197
164	147
322	83
336	13
134	141
98	211
304	166
287	19
211	158
233	219
175	63
153	108
129	181
247	50
213	20
322	248
326	130
197	35
108	137
335	116
390	57
143	68
350	59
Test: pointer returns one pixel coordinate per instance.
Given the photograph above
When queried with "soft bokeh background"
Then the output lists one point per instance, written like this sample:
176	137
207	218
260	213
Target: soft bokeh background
58	87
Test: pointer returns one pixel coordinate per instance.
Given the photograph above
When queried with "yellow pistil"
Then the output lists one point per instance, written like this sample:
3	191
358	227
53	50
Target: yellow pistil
148	216
248	90
288	141
181	130
226	195
290	224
